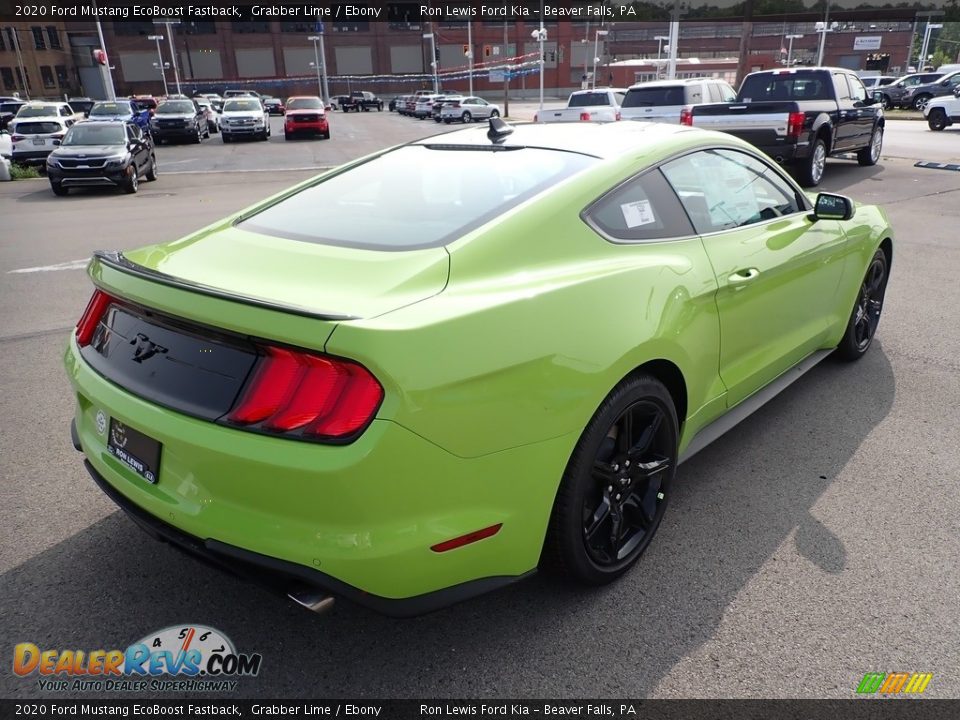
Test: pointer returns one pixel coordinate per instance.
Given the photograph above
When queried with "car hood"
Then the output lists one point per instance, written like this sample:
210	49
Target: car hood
118	116
89	151
173	116
300	276
305	111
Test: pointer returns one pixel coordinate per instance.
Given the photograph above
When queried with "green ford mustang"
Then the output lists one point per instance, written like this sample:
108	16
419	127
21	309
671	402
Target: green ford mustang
425	374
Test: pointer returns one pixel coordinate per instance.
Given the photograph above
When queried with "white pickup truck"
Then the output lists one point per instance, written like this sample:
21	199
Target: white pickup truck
597	105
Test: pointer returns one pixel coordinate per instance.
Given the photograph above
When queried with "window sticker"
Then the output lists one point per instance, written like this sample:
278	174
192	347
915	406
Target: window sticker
637	213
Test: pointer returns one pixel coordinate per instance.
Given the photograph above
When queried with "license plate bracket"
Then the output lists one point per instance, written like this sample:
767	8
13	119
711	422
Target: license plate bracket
135	450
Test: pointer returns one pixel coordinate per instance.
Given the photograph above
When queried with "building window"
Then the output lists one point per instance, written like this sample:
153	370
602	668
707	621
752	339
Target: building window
305	28
38	40
251	27
62	79
46	74
11	40
53	37
8	83
3	45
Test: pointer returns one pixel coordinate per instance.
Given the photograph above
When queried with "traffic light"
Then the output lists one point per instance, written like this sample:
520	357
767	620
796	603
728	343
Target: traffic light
100	57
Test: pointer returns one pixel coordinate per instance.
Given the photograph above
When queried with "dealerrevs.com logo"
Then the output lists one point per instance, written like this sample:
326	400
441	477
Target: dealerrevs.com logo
180	658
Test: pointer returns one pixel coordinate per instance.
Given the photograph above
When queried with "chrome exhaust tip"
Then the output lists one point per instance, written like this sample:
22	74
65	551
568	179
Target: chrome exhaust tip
313	600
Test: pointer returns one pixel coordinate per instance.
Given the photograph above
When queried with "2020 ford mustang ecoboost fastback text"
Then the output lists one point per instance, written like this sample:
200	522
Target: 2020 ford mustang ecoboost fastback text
424	374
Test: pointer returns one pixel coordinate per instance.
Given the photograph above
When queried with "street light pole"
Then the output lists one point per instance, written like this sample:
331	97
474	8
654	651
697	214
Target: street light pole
433	60
660	39
316	54
470	54
108	77
791	38
173	53
163	71
540	36
596	59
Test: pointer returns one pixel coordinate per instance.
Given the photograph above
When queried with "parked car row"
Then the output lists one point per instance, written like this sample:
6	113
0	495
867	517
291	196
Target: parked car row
917	89
447	108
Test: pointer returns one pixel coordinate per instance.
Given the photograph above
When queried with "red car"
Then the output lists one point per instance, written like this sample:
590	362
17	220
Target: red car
305	114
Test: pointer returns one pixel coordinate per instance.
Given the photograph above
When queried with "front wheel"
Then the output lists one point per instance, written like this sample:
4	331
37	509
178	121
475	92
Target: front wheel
937	119
614	491
133	184
198	138
885	102
871	153
466	117
58	188
865	316
495	113
920	101
811	172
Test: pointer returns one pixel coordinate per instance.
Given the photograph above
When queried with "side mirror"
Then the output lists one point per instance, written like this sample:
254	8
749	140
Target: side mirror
56	142
832	207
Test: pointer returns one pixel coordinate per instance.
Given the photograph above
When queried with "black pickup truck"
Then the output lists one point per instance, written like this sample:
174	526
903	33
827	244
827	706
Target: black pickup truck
799	117
361	100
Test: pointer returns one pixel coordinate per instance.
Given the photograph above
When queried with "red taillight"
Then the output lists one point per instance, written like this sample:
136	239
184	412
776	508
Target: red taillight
58	136
584	117
98	304
686	116
17	138
456	105
467	539
795	124
313	395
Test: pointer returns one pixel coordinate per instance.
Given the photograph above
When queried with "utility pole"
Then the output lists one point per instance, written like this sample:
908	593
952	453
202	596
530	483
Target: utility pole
674	41
823	34
743	64
791	38
506	73
470	53
173	52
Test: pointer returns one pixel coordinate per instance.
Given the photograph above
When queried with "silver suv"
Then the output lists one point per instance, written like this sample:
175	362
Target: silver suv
662	100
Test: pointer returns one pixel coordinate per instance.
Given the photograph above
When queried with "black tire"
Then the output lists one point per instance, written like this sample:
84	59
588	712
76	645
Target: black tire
326	135
937	120
151	174
59	189
885	102
494	113
810	173
921	100
602	501
286	135
226	138
870	155
133	184
466	117
446	121
198	138
865	316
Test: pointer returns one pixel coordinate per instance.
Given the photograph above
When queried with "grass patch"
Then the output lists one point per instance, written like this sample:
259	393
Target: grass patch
21	172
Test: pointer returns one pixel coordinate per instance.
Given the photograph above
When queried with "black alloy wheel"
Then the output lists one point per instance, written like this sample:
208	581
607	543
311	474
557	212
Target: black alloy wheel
616	487
937	119
862	326
133	184
151	174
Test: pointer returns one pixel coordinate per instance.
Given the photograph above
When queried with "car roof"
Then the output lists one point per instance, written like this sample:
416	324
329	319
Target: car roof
602	140
671	83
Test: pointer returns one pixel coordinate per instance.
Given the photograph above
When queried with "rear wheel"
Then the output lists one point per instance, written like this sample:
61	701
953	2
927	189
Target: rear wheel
466	117
865	316
151	174
58	188
937	119
615	489
811	172
885	102
871	153
198	137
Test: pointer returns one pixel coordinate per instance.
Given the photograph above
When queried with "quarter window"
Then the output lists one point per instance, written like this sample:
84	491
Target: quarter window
645	208
725	189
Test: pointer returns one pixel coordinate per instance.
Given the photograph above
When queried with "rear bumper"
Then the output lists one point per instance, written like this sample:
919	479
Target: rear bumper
173	133
357	520
786	153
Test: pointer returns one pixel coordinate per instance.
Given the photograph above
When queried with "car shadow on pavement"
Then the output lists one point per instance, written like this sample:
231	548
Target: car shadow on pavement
734	506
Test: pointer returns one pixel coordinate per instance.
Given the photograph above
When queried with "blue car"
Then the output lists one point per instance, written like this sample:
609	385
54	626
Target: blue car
121	109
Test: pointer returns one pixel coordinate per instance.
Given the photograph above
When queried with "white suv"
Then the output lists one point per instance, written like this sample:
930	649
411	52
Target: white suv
35	138
943	111
662	100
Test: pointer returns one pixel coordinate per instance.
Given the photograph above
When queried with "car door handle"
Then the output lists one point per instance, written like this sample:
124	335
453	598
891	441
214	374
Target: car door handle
743	276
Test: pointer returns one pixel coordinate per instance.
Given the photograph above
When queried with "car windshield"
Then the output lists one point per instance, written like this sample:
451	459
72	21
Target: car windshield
786	86
176	106
409	198
305	104
99	134
38	128
233	105
589	99
654	96
37	111
110	108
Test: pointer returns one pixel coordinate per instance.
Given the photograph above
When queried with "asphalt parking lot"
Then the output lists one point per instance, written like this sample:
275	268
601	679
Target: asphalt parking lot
814	543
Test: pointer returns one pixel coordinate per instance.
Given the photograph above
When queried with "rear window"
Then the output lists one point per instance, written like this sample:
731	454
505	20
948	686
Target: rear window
243	105
38	128
305	104
415	196
37	111
110	108
655	96
176	106
786	86
589	99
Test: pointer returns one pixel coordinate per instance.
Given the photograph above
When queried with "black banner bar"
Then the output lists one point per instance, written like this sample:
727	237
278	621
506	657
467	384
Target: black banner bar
854	709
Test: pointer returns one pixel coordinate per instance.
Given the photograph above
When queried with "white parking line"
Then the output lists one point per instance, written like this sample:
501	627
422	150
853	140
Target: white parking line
69	265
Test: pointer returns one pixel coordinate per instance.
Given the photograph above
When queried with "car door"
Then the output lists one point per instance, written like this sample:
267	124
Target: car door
866	113
778	270
845	127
